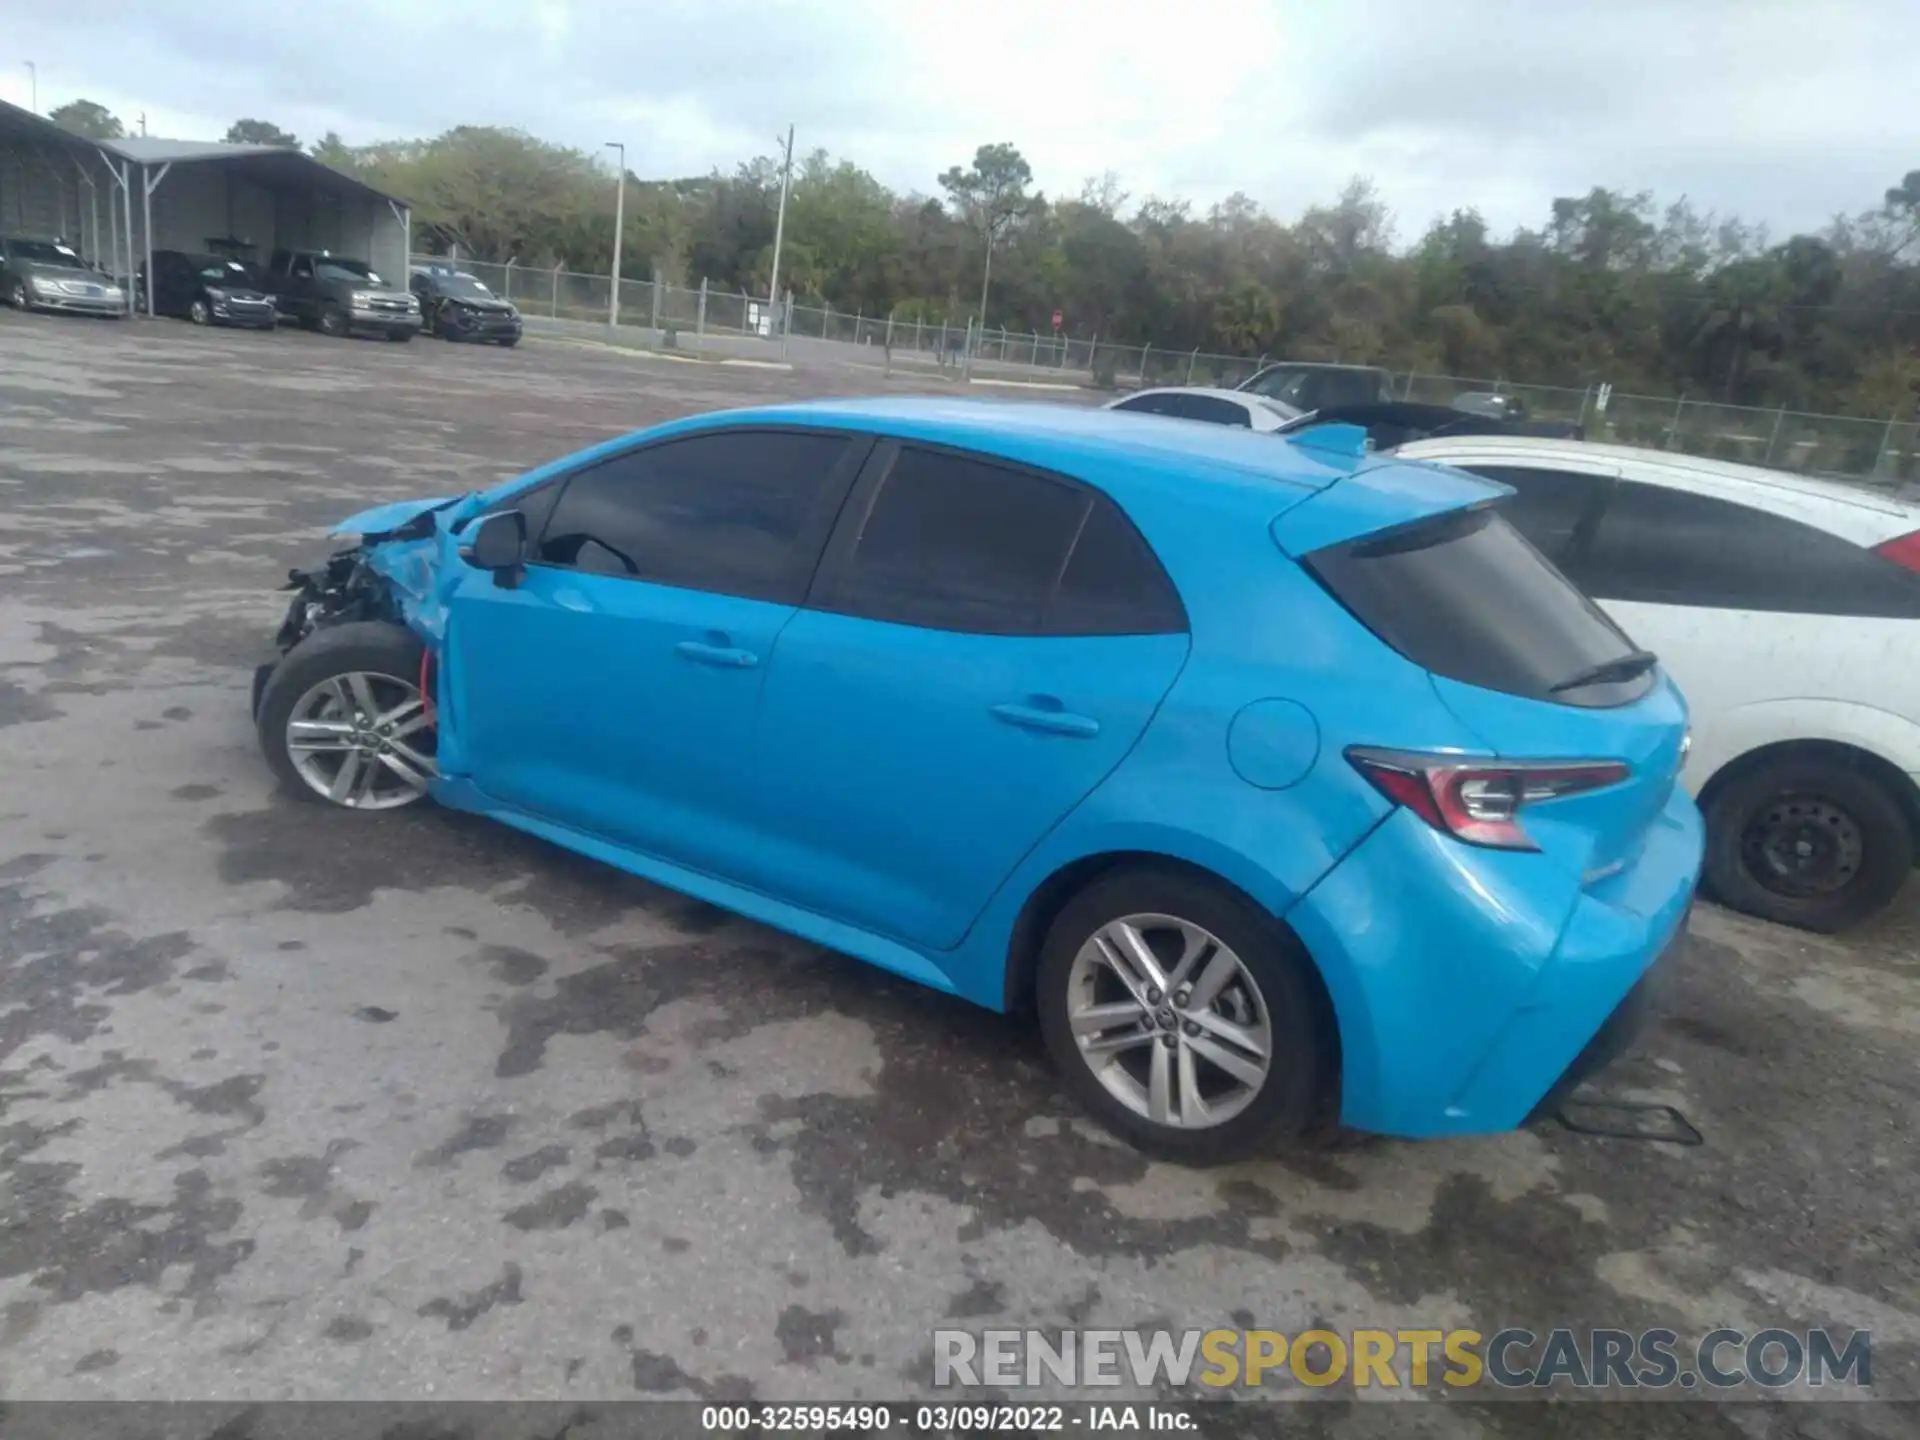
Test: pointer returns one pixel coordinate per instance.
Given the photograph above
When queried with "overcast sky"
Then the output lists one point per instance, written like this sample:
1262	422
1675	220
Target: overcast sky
1781	111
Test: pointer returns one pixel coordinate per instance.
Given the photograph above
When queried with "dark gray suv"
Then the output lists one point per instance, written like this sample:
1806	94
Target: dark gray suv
340	296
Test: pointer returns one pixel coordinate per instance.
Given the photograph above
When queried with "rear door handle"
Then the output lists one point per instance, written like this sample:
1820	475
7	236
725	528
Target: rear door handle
722	657
1049	722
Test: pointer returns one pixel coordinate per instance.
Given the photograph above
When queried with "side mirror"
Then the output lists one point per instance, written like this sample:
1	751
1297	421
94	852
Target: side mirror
499	543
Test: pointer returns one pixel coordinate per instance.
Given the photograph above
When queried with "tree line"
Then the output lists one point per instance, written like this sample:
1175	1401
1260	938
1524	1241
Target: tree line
1611	286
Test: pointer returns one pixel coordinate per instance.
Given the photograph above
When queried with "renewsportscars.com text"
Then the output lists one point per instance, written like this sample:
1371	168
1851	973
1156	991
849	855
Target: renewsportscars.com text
1512	1359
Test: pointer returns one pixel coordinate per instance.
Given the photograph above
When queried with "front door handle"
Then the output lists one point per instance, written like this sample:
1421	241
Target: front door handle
1048	721
723	657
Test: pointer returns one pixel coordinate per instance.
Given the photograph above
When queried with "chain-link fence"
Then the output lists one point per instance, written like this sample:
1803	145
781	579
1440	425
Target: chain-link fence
704	318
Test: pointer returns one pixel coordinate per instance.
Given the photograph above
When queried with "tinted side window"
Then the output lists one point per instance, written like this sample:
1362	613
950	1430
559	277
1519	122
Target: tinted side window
1211	409
1148	405
953	543
1671	547
740	513
1549	504
1113	584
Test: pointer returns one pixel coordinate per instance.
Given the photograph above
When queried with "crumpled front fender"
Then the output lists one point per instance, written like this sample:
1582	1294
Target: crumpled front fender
383	518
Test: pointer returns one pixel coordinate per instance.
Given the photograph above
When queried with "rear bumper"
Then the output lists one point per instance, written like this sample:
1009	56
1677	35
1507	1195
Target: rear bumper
1473	987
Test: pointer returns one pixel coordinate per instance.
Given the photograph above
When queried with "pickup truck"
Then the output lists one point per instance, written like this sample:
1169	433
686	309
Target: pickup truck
339	296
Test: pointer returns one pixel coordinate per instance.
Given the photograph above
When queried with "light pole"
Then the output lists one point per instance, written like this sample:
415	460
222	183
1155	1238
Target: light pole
33	77
986	277
619	226
780	230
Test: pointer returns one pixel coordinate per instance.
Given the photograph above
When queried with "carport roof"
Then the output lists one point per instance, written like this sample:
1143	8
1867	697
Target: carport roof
19	124
272	165
269	165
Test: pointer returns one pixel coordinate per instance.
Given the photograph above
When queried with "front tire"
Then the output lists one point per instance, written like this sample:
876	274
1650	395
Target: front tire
20	297
1182	1018
399	337
509	342
333	322
1812	843
342	718
199	314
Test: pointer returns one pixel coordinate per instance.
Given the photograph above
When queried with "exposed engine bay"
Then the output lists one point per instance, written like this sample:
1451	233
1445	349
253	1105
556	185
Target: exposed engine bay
343	590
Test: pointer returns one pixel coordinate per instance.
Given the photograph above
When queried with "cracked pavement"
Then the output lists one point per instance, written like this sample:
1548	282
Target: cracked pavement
298	1103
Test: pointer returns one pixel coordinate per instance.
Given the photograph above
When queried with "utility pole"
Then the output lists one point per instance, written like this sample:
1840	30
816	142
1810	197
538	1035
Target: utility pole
780	229
33	79
619	226
143	124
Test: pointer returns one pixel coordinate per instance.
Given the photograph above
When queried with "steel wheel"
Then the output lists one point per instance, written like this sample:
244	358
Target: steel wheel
333	323
362	740
1170	1021
1803	846
198	312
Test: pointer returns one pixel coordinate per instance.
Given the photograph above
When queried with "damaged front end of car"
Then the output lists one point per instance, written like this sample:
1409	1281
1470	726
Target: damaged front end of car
386	574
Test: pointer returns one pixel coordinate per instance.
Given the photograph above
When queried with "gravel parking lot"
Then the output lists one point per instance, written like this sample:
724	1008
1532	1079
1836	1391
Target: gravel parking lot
296	1103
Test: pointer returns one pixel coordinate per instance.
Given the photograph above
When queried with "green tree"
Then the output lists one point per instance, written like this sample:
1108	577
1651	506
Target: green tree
88	118
262	132
989	196
330	149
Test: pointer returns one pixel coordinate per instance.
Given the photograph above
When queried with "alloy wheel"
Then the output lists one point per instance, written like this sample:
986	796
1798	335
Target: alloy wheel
197	312
1170	1021
363	741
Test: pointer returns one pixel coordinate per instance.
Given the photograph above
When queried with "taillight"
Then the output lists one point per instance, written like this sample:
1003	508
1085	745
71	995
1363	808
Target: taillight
1479	801
1903	550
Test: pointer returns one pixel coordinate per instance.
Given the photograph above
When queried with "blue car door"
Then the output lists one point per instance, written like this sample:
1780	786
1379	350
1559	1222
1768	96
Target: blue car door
614	689
984	645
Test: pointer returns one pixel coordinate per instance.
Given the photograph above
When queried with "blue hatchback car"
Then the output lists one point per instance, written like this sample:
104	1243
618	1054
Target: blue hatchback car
1283	782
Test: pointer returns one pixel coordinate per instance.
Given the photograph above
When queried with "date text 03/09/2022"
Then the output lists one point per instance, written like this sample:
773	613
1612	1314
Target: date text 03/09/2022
942	1419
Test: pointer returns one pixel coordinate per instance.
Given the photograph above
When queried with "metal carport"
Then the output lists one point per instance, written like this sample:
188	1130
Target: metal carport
189	193
117	201
54	184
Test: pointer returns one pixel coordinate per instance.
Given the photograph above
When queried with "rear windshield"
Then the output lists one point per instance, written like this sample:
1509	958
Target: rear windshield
1466	596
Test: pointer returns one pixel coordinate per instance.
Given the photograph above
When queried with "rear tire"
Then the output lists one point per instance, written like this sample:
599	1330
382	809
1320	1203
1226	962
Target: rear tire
387	658
509	343
1811	843
399	337
1270	994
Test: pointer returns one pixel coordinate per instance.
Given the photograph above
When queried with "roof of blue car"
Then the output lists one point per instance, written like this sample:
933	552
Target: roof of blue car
1076	440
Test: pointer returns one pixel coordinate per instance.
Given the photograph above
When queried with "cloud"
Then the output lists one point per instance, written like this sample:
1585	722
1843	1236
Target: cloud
1772	109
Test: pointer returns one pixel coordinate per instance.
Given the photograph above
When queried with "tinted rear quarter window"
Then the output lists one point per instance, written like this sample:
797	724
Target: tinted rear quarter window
1465	596
1113	583
1672	547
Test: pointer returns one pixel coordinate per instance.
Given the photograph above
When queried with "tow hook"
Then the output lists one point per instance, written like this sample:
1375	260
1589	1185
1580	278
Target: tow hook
1628	1120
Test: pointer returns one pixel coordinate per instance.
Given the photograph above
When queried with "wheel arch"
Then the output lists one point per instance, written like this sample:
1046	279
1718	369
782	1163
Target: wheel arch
1045	902
1891	777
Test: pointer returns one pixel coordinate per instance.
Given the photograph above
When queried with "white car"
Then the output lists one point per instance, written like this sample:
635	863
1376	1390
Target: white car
1787	610
1215	407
